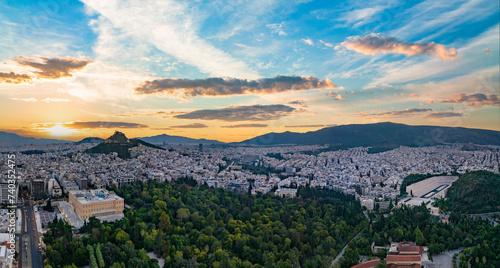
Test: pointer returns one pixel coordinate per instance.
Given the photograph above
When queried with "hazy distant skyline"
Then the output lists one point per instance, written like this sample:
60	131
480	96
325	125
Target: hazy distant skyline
232	71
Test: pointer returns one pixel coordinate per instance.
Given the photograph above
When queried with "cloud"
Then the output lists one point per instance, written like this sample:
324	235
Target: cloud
476	99
26	99
326	44
335	96
308	41
193	125
53	68
241	113
13	78
398	113
171	27
276	28
373	44
185	88
442	115
103	124
47	100
161	113
360	17
311	126
298	102
245	126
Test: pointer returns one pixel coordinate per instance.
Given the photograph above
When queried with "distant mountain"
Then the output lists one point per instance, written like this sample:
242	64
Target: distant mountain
164	138
473	192
14	139
120	144
381	136
90	140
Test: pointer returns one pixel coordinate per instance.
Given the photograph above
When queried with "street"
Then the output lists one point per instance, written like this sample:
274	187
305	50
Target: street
29	255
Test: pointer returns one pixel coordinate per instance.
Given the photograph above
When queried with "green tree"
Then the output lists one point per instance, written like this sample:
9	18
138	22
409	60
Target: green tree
419	237
165	222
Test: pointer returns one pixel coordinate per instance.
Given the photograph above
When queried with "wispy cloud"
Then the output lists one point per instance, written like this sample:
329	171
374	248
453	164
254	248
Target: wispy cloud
298	102
360	17
53	68
186	88
193	125
13	78
326	44
308	41
397	113
170	27
476	99
443	115
373	44
89	125
245	126
241	113
47	100
441	17
311	126
104	124
276	28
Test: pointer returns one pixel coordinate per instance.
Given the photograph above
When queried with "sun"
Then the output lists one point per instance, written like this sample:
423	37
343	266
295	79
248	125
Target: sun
59	130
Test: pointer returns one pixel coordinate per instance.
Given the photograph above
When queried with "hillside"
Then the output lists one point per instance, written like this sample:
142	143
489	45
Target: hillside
119	144
90	140
14	139
164	138
381	136
473	192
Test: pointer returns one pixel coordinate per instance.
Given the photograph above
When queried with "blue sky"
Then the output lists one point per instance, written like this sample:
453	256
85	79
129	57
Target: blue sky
149	64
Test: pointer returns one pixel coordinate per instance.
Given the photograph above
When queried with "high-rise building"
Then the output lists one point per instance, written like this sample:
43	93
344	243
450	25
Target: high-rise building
82	182
6	190
37	188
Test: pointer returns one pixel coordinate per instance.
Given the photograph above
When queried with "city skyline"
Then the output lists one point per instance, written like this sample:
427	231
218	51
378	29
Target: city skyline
231	72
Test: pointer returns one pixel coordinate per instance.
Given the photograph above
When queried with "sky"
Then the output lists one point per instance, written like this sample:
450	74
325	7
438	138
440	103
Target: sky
232	70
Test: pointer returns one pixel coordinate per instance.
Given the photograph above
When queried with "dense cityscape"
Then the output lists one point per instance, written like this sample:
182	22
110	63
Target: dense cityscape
49	174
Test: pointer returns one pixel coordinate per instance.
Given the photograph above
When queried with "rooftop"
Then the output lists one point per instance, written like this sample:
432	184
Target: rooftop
98	195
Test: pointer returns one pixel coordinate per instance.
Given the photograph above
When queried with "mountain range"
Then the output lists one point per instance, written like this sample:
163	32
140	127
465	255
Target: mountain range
14	139
164	138
380	135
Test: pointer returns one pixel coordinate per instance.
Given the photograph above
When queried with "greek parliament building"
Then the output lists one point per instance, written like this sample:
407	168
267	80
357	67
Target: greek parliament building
98	203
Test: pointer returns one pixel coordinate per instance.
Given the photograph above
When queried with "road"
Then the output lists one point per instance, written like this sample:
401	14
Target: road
29	256
336	260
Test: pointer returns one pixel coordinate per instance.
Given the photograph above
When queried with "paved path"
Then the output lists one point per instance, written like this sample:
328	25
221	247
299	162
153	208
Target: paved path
444	260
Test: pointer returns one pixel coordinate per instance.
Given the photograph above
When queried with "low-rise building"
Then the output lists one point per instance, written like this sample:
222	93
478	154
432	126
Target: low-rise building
97	203
286	192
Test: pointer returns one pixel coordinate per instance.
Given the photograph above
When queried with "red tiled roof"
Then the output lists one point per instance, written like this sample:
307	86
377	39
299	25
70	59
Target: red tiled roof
393	265
403	258
367	264
410	250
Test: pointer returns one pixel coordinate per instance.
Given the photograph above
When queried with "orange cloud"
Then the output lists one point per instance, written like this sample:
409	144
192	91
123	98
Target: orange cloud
476	100
53	68
399	113
185	88
443	115
373	44
13	78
